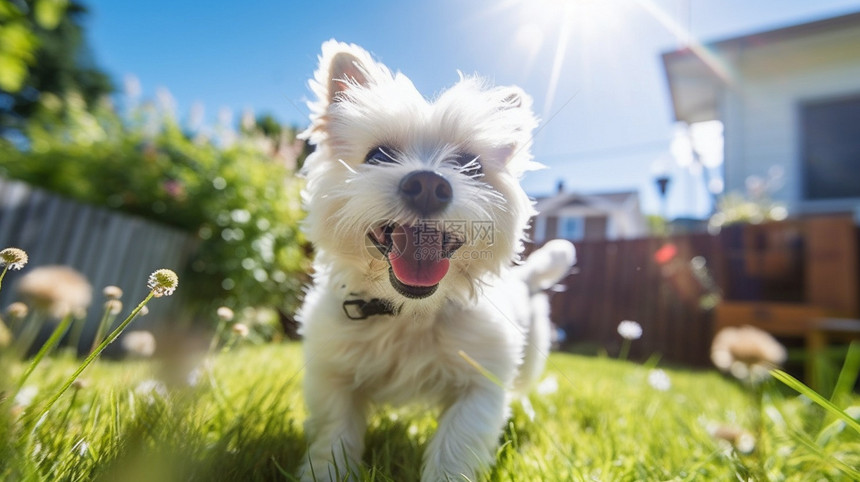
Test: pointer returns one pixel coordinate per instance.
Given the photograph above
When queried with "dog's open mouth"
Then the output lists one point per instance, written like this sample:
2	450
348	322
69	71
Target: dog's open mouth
418	256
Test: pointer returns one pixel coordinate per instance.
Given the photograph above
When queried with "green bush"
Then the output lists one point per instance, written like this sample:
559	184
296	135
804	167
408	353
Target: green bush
238	195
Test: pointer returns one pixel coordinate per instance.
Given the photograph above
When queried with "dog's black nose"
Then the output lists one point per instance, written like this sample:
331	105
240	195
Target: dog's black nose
427	192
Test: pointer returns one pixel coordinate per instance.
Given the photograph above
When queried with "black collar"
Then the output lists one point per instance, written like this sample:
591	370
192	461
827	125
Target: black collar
359	309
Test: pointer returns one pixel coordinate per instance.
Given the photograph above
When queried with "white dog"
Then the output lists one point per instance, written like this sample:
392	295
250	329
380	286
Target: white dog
417	217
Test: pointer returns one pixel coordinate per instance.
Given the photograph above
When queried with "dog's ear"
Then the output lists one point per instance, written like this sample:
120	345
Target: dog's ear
513	98
516	106
341	67
345	70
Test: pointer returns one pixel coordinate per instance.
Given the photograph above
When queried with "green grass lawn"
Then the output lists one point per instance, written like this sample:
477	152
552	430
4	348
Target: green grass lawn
242	420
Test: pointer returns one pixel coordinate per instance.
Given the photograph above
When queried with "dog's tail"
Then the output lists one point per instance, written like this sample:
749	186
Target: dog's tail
549	264
543	269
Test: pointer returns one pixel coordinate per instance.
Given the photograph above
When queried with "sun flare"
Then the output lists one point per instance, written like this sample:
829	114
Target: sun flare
548	27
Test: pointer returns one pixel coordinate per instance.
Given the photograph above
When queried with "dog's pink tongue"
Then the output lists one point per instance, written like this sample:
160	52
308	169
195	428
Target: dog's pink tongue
417	257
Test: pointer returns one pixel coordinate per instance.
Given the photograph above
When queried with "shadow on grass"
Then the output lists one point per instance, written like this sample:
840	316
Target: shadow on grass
394	447
162	446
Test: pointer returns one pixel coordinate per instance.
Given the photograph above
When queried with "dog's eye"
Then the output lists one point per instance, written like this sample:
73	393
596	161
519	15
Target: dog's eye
380	155
469	164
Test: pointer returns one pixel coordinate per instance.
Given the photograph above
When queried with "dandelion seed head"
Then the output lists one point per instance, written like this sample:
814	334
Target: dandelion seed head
746	352
56	291
113	306
739	370
224	313
162	282
112	292
17	310
630	330
139	343
13	258
240	329
736	437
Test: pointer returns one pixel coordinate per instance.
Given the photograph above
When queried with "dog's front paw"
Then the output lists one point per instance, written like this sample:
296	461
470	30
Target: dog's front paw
463	447
437	474
326	471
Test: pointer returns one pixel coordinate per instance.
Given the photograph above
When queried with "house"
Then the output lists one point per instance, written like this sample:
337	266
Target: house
789	98
578	217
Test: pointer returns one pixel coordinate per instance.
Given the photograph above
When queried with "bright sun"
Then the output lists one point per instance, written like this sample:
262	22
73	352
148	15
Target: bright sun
549	26
541	27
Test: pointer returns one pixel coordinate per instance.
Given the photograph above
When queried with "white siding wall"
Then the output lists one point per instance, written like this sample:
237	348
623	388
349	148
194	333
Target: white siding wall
761	112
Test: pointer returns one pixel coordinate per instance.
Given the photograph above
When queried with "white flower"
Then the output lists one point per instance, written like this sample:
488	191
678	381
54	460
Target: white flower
745	443
630	330
548	386
83	447
194	377
149	389
25	396
659	380
139	343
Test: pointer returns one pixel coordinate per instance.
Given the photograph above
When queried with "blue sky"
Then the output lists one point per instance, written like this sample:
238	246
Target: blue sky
602	97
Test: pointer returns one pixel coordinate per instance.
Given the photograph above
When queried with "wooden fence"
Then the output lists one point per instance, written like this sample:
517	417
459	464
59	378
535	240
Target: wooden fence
772	272
651	281
107	247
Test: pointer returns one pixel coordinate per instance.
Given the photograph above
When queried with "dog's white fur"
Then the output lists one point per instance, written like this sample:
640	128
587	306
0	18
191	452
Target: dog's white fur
484	308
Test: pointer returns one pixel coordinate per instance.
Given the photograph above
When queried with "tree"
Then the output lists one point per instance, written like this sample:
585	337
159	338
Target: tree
43	50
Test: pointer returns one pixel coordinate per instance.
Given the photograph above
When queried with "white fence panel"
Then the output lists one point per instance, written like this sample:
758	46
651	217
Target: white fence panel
108	247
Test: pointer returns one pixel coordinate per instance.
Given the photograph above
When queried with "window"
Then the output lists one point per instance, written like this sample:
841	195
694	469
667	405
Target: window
831	149
571	228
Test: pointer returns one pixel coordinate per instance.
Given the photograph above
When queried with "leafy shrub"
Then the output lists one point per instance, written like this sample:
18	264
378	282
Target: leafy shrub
236	192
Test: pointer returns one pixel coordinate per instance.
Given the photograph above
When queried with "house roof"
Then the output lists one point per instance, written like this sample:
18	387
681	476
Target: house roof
603	202
697	74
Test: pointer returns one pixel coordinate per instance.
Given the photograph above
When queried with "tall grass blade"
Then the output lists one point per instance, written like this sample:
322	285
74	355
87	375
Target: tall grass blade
49	345
848	374
810	445
483	371
824	403
92	356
